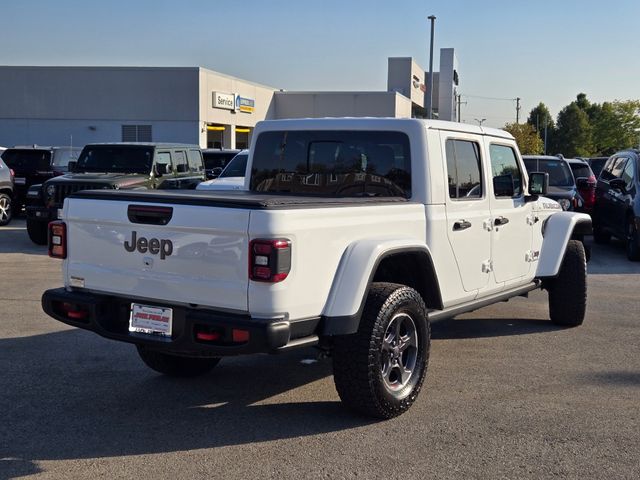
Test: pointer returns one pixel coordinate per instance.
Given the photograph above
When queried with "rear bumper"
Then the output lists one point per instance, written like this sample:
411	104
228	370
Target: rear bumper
108	316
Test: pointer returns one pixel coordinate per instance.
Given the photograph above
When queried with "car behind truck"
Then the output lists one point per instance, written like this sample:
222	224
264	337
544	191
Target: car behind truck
353	235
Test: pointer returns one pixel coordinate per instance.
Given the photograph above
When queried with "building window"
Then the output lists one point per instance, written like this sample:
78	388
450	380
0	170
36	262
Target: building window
136	133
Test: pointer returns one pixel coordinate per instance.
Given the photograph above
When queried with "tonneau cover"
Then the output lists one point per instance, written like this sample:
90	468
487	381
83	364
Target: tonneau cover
231	199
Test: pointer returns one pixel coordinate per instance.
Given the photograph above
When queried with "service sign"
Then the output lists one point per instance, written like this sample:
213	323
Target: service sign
226	101
246	105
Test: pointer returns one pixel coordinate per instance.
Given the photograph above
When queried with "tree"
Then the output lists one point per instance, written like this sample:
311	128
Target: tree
526	137
540	118
573	136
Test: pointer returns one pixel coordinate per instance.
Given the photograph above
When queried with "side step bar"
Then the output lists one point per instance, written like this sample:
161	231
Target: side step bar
436	315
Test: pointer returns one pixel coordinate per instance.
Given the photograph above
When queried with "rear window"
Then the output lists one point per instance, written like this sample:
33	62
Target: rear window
580	170
332	163
236	167
115	159
27	160
559	173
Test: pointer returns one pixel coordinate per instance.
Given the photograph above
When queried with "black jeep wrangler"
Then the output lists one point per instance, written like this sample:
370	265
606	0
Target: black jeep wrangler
115	166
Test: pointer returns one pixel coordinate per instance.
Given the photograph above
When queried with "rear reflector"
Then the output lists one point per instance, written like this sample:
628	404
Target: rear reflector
208	336
58	239
269	260
239	336
74	312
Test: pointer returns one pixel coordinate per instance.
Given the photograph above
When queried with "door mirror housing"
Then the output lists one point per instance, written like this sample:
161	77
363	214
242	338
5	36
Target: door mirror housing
538	183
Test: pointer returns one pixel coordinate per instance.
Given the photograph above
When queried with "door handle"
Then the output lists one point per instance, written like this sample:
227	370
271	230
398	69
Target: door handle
461	225
500	221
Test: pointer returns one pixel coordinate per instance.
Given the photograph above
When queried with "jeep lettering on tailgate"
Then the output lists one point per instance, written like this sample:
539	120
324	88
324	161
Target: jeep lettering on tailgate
153	245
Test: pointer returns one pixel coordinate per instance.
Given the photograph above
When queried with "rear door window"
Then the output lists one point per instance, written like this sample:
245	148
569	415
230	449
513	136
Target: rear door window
463	169
332	163
180	161
195	161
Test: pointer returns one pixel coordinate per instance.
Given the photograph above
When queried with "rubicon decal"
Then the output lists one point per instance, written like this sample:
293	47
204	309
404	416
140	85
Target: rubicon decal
154	246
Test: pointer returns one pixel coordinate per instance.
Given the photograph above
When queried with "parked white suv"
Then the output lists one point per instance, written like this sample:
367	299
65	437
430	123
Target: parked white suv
354	235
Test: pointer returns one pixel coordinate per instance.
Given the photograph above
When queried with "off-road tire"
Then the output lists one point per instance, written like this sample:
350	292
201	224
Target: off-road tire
358	359
600	236
633	249
38	231
176	366
6	213
568	291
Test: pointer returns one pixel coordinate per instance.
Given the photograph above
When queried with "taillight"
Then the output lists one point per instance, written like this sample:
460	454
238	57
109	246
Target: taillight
269	260
12	173
57	239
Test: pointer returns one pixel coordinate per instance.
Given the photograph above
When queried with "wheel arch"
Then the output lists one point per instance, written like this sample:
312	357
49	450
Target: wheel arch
558	229
405	262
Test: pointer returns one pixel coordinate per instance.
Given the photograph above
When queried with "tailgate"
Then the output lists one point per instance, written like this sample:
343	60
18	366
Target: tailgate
198	257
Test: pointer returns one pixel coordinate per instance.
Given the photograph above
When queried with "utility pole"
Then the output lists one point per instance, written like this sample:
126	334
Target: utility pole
545	134
517	110
458	103
430	83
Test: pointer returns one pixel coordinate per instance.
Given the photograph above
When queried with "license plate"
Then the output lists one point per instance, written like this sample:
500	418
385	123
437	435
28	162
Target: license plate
20	180
150	320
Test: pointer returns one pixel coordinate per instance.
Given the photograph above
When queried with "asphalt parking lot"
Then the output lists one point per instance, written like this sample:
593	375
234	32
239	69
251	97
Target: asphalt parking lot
507	395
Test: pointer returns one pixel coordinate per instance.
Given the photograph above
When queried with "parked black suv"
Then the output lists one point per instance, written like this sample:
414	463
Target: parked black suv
562	184
617	209
114	166
34	165
6	193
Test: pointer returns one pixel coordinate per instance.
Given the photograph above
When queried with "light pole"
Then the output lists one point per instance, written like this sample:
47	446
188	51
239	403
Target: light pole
430	82
480	121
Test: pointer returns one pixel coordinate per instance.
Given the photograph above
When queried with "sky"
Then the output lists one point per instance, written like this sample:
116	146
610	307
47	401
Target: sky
541	51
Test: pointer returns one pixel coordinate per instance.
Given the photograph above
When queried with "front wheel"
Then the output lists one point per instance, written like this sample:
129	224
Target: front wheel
379	370
5	209
38	231
175	366
568	291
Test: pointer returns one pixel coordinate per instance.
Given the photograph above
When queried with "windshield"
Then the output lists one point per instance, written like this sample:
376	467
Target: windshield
27	160
332	163
217	159
559	173
62	156
236	167
115	159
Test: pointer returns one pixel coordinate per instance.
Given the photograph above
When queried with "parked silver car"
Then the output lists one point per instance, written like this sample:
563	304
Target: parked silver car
6	193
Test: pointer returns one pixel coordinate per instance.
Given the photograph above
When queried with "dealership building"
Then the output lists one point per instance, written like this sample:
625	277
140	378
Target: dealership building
80	105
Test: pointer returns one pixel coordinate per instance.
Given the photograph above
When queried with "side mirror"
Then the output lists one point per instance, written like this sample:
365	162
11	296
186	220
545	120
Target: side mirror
72	166
618	184
216	172
503	186
160	169
538	183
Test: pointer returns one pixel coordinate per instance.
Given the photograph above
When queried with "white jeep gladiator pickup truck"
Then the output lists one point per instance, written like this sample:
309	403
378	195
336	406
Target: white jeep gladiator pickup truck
352	235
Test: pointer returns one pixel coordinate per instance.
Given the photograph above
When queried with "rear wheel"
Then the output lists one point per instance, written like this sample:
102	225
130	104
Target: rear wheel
38	231
176	366
633	249
5	209
568	291
379	370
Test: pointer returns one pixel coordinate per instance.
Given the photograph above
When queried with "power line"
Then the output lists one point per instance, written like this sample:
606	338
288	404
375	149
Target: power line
487	98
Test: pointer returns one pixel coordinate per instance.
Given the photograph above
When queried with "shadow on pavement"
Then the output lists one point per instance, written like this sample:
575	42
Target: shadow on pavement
15	239
489	327
611	259
616	378
73	395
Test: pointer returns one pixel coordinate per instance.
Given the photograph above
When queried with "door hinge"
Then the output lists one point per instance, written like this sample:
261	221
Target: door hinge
532	255
487	266
488	225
